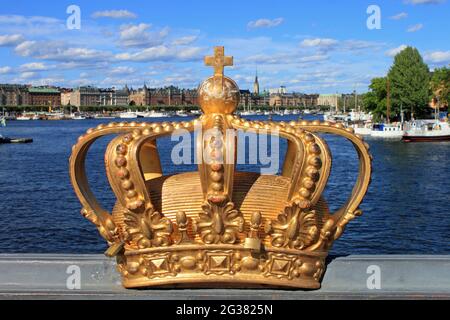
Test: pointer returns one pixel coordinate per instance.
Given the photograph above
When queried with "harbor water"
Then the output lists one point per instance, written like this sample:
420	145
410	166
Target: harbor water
405	211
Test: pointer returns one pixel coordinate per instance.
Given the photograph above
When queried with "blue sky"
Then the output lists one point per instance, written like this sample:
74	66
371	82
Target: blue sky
307	46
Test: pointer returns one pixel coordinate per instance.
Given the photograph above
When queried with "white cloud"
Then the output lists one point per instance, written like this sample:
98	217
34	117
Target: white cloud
353	45
415	27
138	36
265	23
60	51
10	40
401	15
122	70
438	57
347	45
5	70
114	14
162	53
284	58
314	58
28	75
319	42
17	19
393	52
424	1
33	66
184	41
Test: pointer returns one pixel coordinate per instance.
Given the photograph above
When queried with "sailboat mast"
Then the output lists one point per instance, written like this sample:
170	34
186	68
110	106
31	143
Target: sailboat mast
388	101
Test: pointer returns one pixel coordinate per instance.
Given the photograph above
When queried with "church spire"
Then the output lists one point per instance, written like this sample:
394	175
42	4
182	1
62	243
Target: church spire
256	84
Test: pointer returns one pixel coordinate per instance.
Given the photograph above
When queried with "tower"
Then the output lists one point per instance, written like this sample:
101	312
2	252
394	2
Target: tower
256	85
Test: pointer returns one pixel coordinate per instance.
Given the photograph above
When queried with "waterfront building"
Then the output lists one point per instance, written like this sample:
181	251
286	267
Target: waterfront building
65	96
85	96
167	96
280	90
44	96
14	95
139	97
293	100
113	97
330	100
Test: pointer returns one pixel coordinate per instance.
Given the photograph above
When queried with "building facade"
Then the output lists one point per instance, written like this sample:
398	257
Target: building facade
167	96
44	96
65	96
113	97
14	95
85	96
329	100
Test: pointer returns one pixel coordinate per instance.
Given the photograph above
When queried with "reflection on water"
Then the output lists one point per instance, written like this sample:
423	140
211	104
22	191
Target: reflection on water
405	211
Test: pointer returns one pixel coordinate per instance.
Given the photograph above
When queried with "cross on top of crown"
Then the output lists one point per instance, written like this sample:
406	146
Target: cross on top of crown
218	61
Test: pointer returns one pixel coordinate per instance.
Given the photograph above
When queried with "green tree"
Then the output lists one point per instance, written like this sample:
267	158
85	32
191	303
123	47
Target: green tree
409	81
375	99
440	86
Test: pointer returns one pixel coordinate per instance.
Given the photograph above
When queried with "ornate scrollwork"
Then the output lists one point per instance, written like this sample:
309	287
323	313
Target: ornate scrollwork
149	228
107	229
295	228
219	223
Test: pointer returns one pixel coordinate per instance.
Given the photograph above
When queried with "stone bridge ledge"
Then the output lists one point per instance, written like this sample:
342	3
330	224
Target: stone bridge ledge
44	276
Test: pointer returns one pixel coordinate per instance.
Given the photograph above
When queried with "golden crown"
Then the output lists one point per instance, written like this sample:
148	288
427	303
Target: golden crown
218	226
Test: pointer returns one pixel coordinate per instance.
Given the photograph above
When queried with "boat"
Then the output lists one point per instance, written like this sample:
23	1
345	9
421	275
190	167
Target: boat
427	131
362	128
77	116
360	115
24	117
128	115
4	140
103	116
153	114
181	113
387	130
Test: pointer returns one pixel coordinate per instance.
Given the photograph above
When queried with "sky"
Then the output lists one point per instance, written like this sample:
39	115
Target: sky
308	46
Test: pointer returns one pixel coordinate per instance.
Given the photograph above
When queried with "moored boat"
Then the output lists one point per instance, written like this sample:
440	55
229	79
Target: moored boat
427	131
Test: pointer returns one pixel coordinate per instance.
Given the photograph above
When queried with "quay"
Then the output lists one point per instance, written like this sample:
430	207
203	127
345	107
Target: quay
51	276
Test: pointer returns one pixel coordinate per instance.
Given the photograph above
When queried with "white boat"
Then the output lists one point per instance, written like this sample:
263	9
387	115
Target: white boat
363	129
427	131
25	117
181	113
248	113
387	131
128	115
77	116
360	116
336	117
153	114
102	116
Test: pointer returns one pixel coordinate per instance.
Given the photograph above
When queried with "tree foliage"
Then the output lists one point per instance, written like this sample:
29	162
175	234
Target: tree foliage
440	86
375	99
409	80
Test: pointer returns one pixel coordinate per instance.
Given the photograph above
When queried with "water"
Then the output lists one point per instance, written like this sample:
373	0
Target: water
405	211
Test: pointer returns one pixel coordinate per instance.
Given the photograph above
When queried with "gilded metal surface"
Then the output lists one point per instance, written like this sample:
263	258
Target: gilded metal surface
217	226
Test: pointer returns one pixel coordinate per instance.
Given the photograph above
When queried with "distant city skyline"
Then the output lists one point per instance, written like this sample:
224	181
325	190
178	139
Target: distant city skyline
310	47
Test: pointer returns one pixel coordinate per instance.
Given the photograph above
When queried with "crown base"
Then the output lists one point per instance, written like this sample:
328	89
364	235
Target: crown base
221	266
